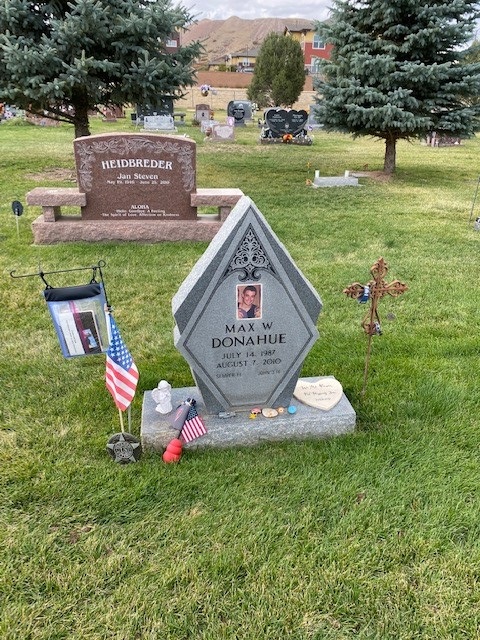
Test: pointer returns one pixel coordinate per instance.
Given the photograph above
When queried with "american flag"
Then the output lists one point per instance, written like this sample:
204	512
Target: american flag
193	427
121	374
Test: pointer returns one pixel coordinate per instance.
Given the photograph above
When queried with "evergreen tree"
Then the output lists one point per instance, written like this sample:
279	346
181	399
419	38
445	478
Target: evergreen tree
62	58
279	73
395	70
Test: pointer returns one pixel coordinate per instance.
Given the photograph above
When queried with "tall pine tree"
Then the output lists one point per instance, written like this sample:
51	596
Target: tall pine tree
279	73
396	71
62	58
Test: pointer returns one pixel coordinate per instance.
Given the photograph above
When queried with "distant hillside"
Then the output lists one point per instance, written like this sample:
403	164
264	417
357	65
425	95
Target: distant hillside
223	37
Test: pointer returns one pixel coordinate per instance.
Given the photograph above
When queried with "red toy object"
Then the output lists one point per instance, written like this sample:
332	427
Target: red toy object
173	452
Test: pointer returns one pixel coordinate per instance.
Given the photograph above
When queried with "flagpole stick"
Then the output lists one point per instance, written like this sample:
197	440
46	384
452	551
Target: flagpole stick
121	421
129	418
367	360
18	227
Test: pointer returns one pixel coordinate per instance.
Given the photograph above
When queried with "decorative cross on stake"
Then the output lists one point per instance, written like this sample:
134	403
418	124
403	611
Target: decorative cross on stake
374	291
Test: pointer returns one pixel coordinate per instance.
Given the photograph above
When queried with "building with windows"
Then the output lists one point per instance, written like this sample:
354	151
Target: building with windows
313	47
240	61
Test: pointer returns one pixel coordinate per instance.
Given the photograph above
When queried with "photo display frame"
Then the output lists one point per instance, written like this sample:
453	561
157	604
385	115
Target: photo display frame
79	318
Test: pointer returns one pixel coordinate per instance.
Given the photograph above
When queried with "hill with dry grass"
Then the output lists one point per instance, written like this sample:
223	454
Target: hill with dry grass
223	37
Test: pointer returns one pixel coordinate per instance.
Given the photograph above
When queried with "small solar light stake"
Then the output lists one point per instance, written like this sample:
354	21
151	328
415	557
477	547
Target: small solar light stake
17	208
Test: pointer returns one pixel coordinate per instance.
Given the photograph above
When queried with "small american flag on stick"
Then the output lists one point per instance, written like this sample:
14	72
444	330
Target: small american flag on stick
194	426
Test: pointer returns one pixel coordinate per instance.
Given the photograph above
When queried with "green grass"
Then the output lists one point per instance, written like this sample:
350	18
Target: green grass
372	535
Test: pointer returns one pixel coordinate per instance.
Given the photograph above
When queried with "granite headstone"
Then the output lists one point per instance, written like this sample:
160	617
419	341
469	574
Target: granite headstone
245	316
282	121
240	110
162	122
222	133
202	112
163	106
136	176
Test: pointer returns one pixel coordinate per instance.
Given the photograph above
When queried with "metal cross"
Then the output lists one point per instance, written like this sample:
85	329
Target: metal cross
374	291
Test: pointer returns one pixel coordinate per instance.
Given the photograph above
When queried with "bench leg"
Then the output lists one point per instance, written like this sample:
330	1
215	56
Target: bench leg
224	211
51	214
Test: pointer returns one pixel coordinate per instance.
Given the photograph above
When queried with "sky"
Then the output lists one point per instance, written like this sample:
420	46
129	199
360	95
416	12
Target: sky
254	9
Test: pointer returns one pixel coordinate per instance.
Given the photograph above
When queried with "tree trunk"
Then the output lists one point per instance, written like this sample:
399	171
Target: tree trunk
389	163
80	106
82	127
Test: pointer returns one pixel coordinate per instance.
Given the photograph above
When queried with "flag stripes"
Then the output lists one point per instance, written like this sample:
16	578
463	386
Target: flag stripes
121	375
194	426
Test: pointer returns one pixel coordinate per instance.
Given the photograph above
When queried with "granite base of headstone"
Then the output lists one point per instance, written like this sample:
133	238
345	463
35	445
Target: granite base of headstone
308	423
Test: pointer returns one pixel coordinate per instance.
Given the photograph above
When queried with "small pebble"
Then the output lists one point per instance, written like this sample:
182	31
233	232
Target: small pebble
268	412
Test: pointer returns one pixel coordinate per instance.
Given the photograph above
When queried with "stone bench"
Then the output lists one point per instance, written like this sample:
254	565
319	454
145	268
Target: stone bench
51	199
223	199
72	228
181	115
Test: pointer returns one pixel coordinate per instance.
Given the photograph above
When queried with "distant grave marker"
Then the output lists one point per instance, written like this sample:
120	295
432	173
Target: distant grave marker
240	110
163	122
285	125
222	133
202	112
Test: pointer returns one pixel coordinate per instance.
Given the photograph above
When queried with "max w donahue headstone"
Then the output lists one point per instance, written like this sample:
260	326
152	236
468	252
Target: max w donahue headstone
245	321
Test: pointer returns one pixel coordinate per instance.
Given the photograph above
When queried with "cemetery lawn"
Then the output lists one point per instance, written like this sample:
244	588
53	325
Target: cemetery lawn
373	535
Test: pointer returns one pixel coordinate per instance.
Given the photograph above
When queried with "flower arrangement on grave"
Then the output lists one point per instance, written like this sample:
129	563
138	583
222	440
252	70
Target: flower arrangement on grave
204	89
287	137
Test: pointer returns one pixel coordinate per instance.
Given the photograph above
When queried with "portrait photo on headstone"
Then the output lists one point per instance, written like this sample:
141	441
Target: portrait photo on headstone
249	299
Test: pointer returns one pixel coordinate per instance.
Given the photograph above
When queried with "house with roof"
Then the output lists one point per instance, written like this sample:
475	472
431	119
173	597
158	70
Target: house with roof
242	61
313	47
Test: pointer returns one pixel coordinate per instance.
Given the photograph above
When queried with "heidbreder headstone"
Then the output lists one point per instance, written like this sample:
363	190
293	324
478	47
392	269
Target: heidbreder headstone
136	176
245	316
